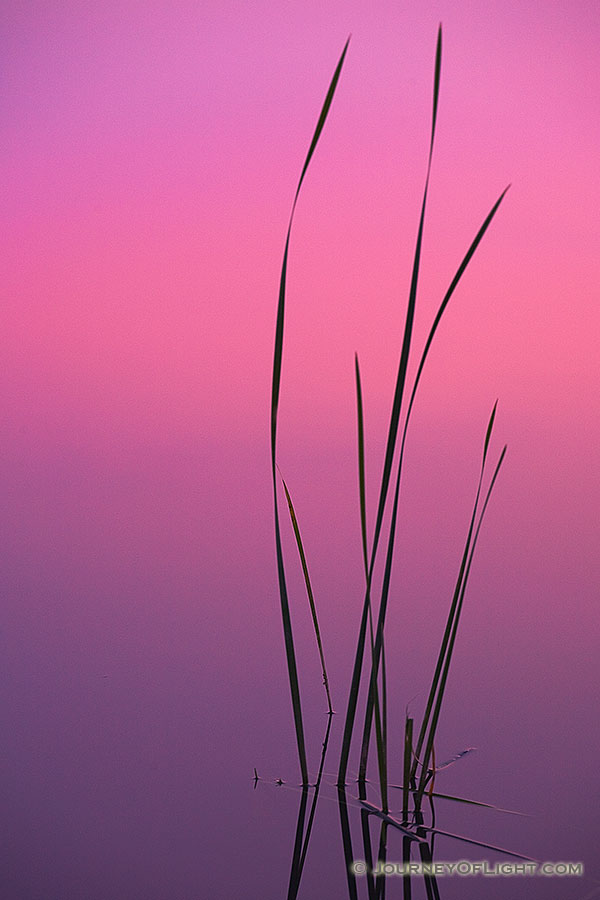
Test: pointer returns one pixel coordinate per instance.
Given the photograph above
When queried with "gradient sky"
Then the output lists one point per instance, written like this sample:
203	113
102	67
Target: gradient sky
150	154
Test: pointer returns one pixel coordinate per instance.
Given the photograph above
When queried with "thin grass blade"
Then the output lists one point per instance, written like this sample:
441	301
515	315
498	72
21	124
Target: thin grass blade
381	880
347	843
431	886
309	591
408	731
444	676
453	608
380	727
466	840
464	800
461	269
317	787
454	759
447	296
275	389
391	443
361	466
410	313
406	879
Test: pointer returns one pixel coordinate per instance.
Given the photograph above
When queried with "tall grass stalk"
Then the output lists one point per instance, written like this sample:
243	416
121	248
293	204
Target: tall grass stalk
452	615
276	383
394	422
309	591
454	629
380	726
389	456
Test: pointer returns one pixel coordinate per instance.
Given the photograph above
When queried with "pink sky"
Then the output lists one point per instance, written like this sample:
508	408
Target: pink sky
150	160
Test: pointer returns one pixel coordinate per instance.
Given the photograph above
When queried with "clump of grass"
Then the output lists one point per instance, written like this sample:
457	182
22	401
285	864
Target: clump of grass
419	762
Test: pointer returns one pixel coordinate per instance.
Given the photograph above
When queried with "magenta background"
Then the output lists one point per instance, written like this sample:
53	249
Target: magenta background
150	153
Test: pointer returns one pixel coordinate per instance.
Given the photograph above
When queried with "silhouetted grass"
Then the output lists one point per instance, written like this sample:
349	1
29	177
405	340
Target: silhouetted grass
419	767
276	383
311	599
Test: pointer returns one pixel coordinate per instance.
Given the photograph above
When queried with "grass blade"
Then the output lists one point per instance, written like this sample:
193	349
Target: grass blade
416	837
295	870
410	313
309	591
466	840
408	730
406	879
452	613
460	271
380	880
276	383
464	800
444	676
313	808
431	887
361	466
380	727
391	443
347	843
453	285
441	310
278	352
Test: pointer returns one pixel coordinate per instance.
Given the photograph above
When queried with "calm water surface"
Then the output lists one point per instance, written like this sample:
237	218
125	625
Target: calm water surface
138	699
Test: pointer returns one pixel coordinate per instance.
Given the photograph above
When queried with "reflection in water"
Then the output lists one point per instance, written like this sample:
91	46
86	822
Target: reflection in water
302	838
366	863
373	868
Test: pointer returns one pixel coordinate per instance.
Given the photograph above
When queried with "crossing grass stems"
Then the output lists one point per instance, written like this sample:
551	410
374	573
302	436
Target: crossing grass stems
418	760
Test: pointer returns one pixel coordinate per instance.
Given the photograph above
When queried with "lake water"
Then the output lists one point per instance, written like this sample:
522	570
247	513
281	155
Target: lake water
134	720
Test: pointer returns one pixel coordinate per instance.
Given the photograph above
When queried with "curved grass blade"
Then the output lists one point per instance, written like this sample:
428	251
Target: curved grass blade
301	845
391	443
368	853
295	870
410	313
460	271
430	880
448	762
453	759
276	383
431	887
361	466
453	284
406	880
347	842
416	837
453	608
466	840
437	795
408	730
444	676
375	882
380	727
309	591
380	880
278	353
441	310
